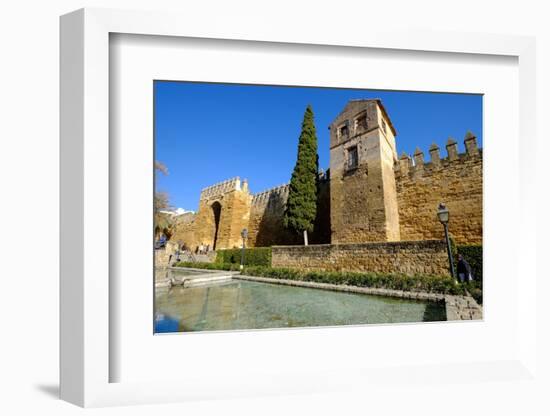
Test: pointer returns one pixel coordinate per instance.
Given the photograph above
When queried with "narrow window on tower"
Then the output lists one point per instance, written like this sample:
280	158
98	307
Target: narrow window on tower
344	130
353	158
361	123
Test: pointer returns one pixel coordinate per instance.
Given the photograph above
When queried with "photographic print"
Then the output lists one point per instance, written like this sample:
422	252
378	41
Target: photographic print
294	207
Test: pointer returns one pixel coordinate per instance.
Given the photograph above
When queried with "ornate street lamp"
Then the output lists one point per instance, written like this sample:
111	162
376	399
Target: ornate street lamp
244	235
443	216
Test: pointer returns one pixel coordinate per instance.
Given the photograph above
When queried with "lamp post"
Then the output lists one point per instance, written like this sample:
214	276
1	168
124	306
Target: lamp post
443	216
244	235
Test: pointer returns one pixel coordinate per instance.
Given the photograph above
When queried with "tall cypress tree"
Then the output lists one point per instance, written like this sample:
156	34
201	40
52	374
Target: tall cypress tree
301	206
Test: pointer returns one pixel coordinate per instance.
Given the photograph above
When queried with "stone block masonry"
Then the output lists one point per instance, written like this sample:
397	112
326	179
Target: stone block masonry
456	180
362	181
408	257
265	227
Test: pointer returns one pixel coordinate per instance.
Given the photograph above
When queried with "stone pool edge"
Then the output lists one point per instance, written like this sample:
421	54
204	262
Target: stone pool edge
208	276
457	308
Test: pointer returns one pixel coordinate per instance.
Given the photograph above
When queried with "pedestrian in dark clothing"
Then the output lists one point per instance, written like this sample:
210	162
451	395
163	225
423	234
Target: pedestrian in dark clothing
464	270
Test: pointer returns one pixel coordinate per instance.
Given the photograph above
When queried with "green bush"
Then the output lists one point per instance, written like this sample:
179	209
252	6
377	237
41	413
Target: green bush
475	289
396	281
256	256
473	254
208	266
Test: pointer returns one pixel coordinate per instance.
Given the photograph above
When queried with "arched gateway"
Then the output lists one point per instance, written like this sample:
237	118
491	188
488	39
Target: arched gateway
224	210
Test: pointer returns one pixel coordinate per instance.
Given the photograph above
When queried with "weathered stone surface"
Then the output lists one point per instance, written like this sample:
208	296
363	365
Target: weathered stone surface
164	256
462	308
457	183
224	210
363	193
266	219
409	257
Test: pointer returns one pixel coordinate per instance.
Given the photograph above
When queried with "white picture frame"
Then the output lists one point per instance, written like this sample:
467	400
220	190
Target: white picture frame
86	353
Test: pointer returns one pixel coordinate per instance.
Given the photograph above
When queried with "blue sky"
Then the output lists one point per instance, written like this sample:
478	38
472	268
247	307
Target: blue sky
206	133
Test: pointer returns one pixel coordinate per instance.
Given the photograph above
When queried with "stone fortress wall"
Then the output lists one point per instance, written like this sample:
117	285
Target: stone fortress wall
265	227
224	210
456	180
408	257
379	198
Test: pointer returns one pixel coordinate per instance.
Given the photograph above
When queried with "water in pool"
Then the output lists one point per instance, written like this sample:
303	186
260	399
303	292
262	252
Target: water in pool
252	305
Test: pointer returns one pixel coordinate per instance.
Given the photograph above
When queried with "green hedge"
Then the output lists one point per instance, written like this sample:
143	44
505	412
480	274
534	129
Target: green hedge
256	256
396	281
473	254
208	266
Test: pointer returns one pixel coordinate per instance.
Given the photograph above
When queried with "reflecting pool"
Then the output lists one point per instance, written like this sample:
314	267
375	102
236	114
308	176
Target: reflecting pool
239	304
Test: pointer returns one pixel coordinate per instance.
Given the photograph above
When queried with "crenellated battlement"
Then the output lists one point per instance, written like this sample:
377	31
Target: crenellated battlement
416	165
221	188
279	192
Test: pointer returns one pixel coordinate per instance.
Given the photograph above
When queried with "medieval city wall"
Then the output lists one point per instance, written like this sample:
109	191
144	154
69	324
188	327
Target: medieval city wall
408	257
377	198
321	228
184	234
456	181
224	210
266	227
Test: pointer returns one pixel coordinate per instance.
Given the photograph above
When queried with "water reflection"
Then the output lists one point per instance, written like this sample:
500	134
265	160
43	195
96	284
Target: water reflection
164	323
252	305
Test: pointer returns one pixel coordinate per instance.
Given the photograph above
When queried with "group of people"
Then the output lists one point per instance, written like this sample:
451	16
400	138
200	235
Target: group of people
203	249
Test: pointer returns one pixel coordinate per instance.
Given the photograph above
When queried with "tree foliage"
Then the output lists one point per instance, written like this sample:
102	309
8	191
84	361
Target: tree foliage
301	206
161	167
163	222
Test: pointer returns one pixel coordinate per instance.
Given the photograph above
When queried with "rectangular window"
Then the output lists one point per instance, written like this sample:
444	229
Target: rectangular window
361	123
353	158
344	131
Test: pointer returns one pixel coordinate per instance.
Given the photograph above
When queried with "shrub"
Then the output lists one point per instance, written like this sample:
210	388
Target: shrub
256	256
208	266
476	290
473	254
396	281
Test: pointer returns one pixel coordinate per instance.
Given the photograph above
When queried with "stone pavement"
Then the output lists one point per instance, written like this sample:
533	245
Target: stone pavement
460	308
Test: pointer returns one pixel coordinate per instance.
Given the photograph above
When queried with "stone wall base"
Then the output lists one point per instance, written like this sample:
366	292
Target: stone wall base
408	257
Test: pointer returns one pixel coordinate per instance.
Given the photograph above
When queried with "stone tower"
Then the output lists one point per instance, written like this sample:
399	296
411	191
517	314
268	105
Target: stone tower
224	210
362	186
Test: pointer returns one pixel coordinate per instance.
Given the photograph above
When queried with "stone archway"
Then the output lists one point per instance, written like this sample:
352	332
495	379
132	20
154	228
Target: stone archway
217	211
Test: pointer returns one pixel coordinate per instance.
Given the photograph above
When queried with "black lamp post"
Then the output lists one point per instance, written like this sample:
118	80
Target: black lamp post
443	216
244	235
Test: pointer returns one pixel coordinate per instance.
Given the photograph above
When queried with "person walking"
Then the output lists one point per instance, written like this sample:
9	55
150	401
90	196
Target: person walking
464	270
